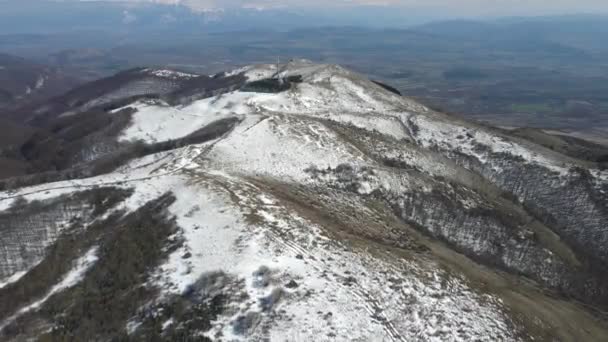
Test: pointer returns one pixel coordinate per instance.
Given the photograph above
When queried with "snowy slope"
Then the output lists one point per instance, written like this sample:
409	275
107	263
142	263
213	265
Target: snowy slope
317	217
282	247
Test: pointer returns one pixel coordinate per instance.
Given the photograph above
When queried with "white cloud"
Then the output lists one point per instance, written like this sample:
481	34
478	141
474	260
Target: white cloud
128	18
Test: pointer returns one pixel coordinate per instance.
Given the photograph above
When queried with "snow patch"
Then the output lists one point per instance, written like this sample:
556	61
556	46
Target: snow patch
328	92
454	137
335	286
13	279
72	278
171	74
40	82
282	147
154	123
210	229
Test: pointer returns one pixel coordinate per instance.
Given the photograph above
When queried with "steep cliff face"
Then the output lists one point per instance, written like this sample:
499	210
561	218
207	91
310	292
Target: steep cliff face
311	203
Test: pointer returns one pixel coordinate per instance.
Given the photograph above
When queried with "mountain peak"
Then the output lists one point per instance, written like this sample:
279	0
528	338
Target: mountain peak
289	201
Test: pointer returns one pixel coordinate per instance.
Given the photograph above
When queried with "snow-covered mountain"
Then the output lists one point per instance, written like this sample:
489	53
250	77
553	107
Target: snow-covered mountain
296	204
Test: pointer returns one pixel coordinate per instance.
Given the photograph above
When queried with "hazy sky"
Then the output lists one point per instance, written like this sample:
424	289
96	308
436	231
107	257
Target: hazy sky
473	7
442	8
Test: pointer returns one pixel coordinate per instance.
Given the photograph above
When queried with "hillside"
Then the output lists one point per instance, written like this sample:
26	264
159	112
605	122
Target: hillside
296	204
23	81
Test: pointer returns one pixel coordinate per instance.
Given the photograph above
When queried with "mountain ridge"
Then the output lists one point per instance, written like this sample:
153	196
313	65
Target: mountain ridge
306	201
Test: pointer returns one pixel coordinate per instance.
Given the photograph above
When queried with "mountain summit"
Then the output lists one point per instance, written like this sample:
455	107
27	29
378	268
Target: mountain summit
293	203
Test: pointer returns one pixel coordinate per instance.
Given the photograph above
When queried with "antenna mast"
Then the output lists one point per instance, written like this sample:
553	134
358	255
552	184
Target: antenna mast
279	78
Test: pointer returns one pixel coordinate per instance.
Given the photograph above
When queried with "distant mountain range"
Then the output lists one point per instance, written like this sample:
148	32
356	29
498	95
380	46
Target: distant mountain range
36	17
220	16
537	71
